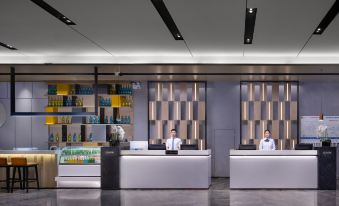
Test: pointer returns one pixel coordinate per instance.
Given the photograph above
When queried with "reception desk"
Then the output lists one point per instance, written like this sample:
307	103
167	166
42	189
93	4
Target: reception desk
294	169
154	169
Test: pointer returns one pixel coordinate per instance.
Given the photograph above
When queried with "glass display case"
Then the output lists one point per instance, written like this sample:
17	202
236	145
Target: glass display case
79	156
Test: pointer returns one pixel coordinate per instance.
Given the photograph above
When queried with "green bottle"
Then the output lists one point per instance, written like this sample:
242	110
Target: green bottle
79	138
69	138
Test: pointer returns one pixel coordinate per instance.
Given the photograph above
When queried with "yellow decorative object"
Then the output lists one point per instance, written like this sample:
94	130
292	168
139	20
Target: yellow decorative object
63	89
51	119
116	101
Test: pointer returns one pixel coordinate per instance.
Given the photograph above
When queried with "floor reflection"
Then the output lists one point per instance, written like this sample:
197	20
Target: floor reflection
218	194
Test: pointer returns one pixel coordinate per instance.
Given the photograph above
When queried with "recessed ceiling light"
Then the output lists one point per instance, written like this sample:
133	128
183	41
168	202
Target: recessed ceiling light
53	12
8	46
331	14
249	25
167	18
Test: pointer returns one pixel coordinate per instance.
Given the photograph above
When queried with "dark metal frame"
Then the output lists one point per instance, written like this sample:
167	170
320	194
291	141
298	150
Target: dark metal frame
148	99
13	99
240	95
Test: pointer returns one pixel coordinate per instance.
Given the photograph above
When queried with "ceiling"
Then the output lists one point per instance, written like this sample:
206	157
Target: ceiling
132	32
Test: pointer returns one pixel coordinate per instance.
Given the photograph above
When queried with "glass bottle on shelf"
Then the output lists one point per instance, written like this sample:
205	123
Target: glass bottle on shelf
51	138
69	138
57	137
74	137
79	138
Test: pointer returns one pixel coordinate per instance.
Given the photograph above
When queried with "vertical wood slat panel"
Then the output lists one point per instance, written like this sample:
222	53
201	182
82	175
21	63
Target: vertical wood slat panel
152	110
287	92
275	129
257	110
275	91
263	92
183	129
293	110
158	129
201	110
245	110
189	111
164	111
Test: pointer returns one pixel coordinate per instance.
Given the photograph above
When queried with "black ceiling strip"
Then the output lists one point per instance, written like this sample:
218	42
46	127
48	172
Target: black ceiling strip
8	46
331	14
53	12
251	14
167	18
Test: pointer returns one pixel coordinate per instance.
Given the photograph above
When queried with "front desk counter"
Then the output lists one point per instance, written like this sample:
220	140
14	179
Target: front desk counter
279	169
46	159
155	169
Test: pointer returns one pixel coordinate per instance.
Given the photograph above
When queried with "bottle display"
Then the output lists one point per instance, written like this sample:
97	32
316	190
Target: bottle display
80	155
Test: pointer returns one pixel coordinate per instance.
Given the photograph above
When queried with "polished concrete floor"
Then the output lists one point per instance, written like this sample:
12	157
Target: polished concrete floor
218	194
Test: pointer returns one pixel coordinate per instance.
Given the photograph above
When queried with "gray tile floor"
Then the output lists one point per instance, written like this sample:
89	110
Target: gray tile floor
218	194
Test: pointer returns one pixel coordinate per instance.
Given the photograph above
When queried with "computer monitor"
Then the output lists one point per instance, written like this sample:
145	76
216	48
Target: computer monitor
156	147
247	147
303	147
189	147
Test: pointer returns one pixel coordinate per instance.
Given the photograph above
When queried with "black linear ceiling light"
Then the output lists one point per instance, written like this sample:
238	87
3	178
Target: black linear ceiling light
249	25
53	12
166	17
331	14
8	46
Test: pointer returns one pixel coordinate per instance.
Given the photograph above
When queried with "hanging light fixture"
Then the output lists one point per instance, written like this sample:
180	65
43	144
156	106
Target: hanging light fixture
321	116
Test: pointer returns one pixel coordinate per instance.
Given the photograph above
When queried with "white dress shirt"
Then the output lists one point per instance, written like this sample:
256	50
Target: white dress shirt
173	143
267	145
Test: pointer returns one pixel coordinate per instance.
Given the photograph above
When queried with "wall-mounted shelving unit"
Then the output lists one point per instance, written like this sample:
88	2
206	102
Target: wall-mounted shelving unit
115	109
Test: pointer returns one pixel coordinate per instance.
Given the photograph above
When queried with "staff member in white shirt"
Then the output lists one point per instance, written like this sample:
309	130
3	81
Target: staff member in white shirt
173	143
267	143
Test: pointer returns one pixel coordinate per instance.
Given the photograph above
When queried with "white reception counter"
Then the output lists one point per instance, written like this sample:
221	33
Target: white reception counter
155	169
273	169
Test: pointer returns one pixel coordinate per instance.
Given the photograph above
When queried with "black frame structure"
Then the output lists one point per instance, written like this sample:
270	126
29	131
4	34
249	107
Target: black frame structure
12	95
204	82
240	108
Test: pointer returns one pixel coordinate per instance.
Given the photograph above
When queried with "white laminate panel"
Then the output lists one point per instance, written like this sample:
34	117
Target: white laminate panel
273	172
165	171
79	170
274	152
162	152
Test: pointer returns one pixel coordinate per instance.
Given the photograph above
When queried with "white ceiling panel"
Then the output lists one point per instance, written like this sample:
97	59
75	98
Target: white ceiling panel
7	52
123	27
36	33
326	44
210	28
283	26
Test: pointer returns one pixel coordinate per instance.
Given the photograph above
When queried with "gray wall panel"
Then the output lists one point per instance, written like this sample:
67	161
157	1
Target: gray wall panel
141	113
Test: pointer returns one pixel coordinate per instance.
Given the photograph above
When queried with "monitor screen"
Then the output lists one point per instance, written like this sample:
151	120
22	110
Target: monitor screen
156	147
303	147
247	147
189	147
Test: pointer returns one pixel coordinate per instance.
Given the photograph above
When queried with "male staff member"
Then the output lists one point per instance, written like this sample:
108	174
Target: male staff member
267	143
173	143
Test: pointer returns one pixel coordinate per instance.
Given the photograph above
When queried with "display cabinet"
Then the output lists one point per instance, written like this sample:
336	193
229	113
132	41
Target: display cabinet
79	167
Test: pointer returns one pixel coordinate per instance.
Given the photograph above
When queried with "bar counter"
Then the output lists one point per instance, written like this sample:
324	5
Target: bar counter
47	160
